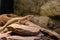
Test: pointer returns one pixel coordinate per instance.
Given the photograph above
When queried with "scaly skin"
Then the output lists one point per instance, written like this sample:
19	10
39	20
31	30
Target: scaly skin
15	20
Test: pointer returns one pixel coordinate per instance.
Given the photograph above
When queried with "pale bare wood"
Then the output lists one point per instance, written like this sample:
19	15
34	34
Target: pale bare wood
50	32
23	29
5	34
22	38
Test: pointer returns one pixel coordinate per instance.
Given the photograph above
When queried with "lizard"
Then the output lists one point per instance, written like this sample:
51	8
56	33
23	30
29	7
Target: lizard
28	17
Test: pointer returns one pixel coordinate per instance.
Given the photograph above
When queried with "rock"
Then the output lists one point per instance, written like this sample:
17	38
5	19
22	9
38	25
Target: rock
23	29
51	8
42	21
25	7
56	24
57	30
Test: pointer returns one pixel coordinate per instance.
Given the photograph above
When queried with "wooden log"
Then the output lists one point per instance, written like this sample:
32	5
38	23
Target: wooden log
50	32
23	29
21	38
5	34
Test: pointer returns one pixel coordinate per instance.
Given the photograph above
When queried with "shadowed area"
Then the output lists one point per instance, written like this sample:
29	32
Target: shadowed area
6	6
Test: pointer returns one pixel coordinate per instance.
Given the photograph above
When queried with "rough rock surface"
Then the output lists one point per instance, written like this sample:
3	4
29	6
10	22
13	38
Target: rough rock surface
42	21
51	8
57	30
25	7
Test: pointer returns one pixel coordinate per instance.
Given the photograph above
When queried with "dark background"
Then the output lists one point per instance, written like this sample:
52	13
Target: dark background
6	6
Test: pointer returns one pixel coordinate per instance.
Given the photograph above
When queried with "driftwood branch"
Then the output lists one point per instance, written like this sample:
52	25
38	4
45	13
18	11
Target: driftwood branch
27	22
50	32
